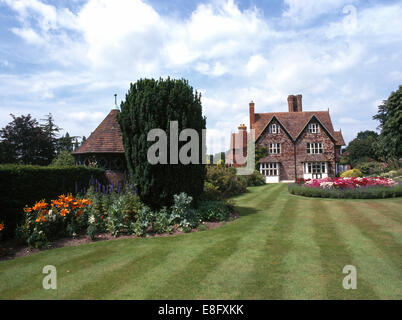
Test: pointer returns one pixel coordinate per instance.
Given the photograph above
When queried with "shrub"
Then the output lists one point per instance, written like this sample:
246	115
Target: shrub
182	212
358	193
371	168
211	192
212	211
63	159
24	184
353	173
255	179
161	221
226	180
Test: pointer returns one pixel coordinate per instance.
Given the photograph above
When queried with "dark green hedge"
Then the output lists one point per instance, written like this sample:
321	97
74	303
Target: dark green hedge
358	193
22	185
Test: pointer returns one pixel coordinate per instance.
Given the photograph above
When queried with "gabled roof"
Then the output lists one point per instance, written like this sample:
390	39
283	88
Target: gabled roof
106	138
295	122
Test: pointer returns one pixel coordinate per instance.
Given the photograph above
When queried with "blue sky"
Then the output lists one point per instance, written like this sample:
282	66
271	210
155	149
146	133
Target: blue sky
69	57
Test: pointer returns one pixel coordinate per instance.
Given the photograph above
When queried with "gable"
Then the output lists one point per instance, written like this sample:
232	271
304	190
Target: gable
295	122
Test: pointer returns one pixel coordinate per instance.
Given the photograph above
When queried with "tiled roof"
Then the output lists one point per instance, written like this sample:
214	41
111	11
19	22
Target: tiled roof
106	138
294	122
339	138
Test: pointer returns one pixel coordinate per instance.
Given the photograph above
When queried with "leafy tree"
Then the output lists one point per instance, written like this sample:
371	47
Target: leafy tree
64	158
389	144
362	148
52	131
154	104
23	140
66	143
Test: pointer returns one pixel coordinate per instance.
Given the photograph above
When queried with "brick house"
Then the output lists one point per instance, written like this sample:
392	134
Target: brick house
300	144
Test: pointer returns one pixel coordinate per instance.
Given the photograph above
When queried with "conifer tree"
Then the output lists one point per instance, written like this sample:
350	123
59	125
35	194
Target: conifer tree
151	104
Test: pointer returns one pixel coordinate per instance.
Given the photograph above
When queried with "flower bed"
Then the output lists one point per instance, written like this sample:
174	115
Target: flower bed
355	188
349	183
115	210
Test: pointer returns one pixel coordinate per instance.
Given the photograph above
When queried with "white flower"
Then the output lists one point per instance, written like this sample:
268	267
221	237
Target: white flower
91	219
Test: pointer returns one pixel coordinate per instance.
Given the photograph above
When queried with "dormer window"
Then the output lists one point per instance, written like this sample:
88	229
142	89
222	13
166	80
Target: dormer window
313	128
273	128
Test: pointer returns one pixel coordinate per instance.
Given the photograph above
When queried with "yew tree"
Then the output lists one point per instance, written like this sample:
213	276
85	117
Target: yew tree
154	104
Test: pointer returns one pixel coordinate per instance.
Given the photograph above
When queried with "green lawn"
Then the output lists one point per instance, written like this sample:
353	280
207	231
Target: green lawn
282	247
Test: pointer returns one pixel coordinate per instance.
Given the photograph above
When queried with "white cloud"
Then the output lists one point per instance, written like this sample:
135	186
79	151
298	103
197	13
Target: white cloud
235	55
303	11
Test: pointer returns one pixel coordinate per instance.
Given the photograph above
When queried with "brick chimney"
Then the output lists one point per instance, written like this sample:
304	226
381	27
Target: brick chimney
242	140
295	103
299	103
292	106
252	115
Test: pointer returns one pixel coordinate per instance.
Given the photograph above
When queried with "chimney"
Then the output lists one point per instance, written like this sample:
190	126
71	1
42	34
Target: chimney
252	115
242	142
299	103
292	106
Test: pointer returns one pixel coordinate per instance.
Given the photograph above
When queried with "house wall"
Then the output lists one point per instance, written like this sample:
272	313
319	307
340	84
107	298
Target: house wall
285	158
328	154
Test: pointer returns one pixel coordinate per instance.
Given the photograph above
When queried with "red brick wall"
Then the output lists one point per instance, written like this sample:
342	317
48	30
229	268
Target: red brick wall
328	154
286	157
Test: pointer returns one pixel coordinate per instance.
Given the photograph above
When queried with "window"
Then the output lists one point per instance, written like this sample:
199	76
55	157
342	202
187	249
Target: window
313	128
274	148
313	148
315	167
273	128
269	169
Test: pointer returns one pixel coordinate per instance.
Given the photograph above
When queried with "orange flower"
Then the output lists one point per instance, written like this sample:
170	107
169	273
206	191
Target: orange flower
40	205
27	209
1	226
57	203
64	212
86	202
41	218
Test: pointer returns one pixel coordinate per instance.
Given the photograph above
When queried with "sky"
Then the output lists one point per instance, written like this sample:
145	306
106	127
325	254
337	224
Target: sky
69	57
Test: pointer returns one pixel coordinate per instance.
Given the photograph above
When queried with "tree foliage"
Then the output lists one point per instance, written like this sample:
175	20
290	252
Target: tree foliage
389	144
362	148
64	158
23	140
151	104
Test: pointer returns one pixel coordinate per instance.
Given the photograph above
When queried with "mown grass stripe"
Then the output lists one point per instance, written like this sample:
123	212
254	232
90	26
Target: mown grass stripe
268	274
335	255
383	240
240	266
371	263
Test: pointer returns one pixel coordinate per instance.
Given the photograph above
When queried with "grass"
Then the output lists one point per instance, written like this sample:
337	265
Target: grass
282	247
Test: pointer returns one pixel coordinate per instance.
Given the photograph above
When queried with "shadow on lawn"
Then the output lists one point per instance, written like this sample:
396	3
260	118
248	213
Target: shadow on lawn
245	211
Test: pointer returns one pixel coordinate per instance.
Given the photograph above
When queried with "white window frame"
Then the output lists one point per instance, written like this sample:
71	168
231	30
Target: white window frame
315	167
314	148
313	128
269	169
274	128
274	148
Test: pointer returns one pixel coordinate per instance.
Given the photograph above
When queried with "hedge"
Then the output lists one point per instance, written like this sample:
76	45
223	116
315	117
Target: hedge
358	193
22	185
